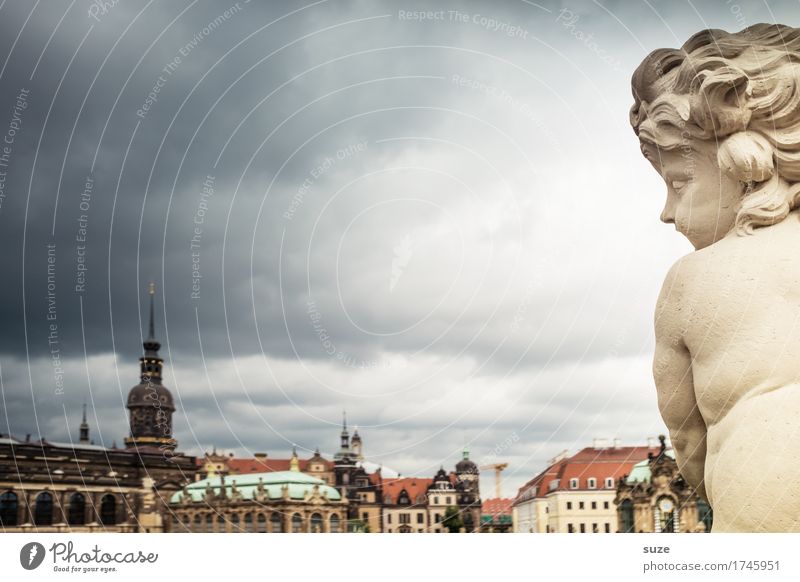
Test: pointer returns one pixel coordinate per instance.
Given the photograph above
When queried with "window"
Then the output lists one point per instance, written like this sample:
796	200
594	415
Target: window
570	529
436	500
248	522
420	518
108	510
365	517
336	523
209	523
580	505
316	523
448	500
573	483
405	518
705	514
594	528
297	523
605	504
8	509
583	528
235	523
220	523
438	518
626	516
43	512
594	504
592	483
608	528
76	515
388	518
198	522
569	504
276	523
262	523
609	482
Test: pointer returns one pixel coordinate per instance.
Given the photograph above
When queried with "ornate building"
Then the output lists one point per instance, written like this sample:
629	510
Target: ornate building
150	404
274	502
361	488
654	498
49	486
575	494
469	497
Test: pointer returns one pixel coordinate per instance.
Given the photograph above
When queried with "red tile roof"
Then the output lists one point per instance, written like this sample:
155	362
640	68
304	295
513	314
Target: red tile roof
416	488
239	466
495	507
599	463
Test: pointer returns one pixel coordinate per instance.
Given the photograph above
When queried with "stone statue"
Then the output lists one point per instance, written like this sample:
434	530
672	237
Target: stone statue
719	119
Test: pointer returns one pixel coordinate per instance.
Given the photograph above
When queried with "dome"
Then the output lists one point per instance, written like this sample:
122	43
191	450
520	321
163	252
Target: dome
465	465
148	393
300	486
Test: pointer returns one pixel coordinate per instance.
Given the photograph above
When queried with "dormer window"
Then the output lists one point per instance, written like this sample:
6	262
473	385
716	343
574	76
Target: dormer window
592	483
573	483
609	482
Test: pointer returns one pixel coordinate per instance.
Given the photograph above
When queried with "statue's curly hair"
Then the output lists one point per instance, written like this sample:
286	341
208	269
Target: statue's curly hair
741	90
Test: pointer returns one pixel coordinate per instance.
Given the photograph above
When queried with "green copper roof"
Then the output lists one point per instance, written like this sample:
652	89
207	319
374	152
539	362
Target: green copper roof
641	470
299	485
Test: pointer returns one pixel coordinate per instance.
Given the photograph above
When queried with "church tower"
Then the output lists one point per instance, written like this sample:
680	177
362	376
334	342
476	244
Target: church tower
150	404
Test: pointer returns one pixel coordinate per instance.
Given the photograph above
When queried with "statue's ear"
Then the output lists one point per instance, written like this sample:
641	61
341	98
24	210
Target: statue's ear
746	156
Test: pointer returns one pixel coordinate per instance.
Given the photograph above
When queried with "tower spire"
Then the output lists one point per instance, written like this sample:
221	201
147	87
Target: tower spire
84	428
152	330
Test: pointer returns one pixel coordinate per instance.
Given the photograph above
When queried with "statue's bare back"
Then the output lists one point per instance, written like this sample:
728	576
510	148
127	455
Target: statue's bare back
720	121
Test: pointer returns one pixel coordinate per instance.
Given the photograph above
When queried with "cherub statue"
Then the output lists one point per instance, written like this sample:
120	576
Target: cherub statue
719	119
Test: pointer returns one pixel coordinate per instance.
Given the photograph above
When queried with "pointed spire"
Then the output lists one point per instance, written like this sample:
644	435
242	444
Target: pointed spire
344	420
294	464
84	428
152	330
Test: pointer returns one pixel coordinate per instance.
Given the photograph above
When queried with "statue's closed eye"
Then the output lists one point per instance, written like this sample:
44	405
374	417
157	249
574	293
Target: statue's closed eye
678	185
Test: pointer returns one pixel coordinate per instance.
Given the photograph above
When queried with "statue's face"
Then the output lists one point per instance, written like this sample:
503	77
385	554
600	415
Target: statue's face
701	200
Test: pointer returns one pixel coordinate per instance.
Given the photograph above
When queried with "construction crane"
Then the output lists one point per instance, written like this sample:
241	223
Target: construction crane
498	468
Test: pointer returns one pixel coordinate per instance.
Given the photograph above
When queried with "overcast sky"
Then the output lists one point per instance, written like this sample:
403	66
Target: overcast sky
442	225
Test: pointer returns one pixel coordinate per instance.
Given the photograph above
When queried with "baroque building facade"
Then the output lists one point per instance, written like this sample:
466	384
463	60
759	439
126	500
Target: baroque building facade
575	494
49	486
273	502
654	498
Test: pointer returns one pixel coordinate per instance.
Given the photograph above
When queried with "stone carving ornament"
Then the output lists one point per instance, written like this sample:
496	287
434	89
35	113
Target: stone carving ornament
719	119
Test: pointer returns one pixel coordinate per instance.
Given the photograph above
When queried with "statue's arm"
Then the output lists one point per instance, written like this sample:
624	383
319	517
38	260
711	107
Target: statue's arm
672	371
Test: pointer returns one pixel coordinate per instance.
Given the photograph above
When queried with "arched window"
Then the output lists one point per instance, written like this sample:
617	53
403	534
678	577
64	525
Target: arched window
276	523
209	523
248	522
108	510
198	523
316	523
235	523
336	523
220	523
705	514
8	509
665	515
297	523
262	523
43	512
626	516
76	515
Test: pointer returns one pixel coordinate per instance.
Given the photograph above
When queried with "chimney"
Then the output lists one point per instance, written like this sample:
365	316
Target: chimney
651	442
616	443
